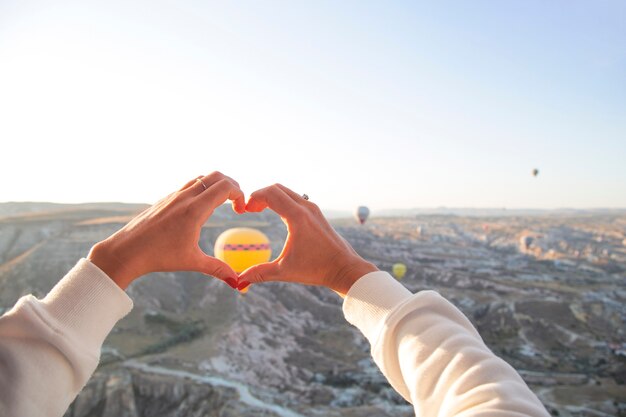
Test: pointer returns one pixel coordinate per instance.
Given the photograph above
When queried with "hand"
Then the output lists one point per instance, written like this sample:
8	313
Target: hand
313	253
165	236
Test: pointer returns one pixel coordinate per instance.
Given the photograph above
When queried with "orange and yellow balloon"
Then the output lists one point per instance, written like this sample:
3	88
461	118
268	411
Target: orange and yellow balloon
242	247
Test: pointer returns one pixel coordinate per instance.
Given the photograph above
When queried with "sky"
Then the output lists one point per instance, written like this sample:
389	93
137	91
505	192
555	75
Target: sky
388	104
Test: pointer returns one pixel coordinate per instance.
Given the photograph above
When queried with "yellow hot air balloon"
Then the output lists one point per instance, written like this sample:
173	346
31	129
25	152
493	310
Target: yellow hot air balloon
242	247
398	270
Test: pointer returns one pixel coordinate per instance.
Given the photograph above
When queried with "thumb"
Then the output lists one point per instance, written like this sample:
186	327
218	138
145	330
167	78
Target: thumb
214	267
268	271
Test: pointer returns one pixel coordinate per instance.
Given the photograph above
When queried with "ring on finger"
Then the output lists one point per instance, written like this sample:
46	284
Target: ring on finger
305	196
202	182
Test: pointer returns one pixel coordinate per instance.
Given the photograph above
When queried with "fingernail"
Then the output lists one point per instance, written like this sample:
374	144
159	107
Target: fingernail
243	285
232	282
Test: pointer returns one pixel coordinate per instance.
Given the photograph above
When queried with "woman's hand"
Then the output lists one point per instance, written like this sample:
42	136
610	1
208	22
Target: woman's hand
165	236
313	254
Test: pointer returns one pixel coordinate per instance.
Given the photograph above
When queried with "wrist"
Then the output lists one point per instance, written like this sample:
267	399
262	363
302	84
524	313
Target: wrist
353	270
104	256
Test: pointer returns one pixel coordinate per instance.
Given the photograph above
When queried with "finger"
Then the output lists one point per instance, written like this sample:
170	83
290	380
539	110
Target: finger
190	183
275	198
296	197
239	204
203	183
237	198
213	177
265	272
217	176
218	193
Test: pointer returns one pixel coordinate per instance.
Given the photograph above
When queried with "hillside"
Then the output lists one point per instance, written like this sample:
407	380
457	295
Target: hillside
554	309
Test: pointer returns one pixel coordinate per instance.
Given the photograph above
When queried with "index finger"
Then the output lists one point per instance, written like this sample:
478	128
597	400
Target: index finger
274	198
218	193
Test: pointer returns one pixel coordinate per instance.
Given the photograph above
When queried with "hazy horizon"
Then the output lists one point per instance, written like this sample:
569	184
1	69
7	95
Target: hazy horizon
394	105
344	213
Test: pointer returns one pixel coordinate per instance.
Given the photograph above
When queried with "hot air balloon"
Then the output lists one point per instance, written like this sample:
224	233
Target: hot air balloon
398	270
362	213
535	172
242	247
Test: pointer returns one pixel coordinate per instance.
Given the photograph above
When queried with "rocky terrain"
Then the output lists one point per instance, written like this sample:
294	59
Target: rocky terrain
546	291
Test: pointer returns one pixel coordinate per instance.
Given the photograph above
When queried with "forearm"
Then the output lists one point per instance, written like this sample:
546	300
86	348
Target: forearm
49	348
432	355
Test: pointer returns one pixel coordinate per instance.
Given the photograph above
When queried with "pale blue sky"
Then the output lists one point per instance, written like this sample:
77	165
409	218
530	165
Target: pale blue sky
388	104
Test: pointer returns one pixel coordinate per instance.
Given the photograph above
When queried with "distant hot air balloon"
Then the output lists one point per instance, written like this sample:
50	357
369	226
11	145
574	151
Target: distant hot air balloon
242	247
362	213
398	270
535	172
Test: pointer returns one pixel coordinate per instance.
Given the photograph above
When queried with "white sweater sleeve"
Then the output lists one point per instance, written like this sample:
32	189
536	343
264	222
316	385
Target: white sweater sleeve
49	348
432	355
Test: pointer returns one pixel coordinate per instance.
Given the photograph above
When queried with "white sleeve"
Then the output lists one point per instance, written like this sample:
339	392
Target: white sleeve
432	355
49	348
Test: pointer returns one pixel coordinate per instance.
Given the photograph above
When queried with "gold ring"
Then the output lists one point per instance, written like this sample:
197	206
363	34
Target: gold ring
202	182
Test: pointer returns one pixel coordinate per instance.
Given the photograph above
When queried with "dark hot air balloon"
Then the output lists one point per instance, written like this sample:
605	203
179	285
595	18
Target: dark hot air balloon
361	214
